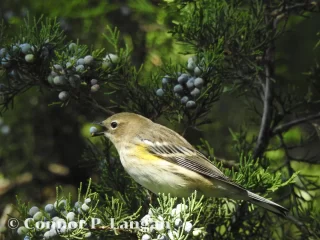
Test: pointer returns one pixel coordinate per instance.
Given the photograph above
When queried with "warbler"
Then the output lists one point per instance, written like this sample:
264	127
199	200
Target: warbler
162	161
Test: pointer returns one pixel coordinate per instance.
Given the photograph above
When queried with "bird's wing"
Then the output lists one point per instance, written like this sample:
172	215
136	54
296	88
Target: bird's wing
188	157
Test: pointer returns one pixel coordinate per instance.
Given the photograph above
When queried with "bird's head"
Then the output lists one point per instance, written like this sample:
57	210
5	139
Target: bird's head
122	125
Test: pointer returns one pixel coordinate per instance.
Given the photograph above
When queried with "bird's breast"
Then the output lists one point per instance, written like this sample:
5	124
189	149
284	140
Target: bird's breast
159	175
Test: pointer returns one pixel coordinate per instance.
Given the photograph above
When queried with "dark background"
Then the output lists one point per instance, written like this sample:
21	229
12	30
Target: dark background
44	145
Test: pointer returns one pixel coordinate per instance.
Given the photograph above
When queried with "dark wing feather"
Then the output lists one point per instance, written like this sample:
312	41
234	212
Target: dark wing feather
188	158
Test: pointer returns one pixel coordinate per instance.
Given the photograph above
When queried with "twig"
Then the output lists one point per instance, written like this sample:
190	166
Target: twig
286	126
95	104
307	6
263	137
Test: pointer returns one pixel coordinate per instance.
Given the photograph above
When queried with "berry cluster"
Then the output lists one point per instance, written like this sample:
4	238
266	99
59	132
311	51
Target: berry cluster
187	86
156	227
24	51
66	75
47	224
77	71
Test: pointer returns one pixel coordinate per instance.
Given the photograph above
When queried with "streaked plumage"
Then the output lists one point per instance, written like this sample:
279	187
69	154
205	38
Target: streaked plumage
163	161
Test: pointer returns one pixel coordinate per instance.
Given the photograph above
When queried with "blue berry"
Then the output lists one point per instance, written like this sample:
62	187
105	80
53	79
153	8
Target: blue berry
85	207
188	227
49	208
3	52
50	79
196	232
29	58
38	216
183	78
68	65
93	81
178	88
190	84
57	67
195	92
25	48
184	99
178	222
79	210
80	61
53	233
181	207
64	96
192	59
111	58
197	71
92	130
198	82
5	129
88	60
146	237
191	66
165	80
26	238
191	104
70	216
5	62
47	235
105	64
87	200
15	49
78	204
33	211
59	80
80	68
162	237
95	88
22	231
160	92
72	46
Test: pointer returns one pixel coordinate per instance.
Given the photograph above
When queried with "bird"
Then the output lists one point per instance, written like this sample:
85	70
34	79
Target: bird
163	161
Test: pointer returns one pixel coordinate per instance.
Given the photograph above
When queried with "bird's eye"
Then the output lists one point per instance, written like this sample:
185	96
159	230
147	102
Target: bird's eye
114	125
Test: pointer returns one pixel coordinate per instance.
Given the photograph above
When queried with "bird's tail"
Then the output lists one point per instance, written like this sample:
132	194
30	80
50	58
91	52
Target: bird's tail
267	204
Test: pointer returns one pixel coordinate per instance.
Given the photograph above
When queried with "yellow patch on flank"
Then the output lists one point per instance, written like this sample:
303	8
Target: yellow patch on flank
141	152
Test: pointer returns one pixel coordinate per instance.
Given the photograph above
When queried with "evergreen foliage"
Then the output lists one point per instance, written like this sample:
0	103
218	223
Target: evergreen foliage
225	49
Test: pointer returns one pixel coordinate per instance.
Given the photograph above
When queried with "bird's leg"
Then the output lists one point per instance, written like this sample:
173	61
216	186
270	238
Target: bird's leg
151	197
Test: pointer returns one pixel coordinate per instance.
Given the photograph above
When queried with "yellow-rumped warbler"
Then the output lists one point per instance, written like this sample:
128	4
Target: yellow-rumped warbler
164	162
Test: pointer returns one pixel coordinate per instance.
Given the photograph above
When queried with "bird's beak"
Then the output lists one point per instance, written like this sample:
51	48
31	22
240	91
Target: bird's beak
95	134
